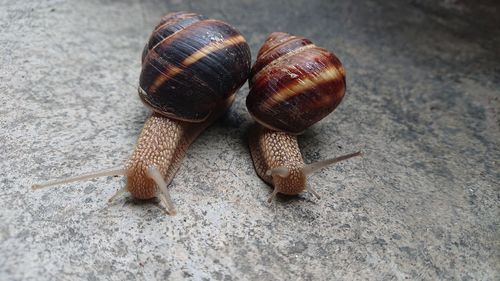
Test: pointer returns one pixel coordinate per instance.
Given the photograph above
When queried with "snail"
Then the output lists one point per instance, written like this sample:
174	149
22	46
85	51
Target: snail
293	85
192	67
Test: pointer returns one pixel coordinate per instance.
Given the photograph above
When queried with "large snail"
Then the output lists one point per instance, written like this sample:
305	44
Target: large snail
293	84
191	69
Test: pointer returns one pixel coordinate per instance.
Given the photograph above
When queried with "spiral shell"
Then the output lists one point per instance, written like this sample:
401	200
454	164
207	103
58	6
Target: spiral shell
294	83
190	64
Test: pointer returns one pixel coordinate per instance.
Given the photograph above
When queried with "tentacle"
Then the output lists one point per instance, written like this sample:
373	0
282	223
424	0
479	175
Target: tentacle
163	194
271	197
313	167
95	174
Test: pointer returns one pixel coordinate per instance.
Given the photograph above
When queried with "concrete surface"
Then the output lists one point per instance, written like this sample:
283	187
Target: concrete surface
422	103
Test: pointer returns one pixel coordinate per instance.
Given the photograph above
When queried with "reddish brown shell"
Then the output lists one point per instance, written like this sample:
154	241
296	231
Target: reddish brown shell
190	64
294	83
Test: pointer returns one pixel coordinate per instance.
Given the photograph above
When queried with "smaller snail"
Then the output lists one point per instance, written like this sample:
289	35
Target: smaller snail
191	69
293	84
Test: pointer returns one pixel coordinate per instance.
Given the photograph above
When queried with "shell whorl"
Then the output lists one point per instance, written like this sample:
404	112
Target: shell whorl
294	83
190	64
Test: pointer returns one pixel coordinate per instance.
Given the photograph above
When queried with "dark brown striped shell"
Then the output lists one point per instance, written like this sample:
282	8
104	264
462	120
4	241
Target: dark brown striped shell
190	64
294	83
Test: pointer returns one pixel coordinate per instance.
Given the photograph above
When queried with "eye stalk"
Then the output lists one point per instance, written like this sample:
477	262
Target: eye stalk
314	167
290	180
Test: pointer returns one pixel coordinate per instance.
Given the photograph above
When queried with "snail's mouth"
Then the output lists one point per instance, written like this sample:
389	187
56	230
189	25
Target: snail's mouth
280	171
292	184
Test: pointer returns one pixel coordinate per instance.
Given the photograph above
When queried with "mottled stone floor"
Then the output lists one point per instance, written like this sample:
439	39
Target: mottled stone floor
422	104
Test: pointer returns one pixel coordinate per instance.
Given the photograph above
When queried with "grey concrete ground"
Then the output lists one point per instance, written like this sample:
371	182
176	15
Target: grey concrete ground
422	103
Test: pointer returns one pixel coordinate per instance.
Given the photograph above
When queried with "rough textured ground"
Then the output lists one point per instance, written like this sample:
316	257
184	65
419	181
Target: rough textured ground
422	103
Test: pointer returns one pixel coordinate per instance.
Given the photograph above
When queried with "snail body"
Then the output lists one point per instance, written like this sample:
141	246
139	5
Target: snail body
191	69
293	85
162	143
272	149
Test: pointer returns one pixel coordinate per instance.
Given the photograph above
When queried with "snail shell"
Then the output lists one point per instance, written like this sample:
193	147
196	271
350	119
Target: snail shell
190	64
191	68
294	83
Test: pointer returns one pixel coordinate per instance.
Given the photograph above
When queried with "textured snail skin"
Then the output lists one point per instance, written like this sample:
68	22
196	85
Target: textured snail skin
271	149
163	143
294	83
191	70
190	64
